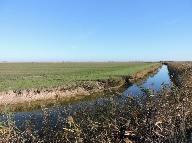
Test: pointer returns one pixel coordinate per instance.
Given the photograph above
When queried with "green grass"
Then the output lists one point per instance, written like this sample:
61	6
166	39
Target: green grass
36	75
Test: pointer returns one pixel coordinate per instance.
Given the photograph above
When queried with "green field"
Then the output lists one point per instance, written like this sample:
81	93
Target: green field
36	75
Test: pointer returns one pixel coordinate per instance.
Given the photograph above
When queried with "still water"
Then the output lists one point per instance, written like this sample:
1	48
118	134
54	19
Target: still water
154	83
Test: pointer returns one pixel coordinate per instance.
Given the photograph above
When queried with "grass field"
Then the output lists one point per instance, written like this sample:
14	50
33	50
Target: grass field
36	75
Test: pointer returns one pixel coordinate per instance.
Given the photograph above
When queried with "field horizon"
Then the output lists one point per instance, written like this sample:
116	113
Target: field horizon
95	71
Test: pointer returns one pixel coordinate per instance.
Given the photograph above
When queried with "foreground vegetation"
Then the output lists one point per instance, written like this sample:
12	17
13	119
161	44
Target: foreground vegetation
14	76
165	117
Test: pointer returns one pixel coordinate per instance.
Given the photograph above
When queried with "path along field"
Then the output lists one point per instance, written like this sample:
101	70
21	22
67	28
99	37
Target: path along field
17	76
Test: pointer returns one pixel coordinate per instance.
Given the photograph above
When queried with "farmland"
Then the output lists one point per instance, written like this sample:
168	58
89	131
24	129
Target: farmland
17	76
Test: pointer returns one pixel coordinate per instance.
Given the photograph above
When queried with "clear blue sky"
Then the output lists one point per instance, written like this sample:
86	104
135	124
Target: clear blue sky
95	30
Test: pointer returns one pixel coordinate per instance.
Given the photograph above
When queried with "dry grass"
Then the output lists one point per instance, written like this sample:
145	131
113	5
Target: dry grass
161	118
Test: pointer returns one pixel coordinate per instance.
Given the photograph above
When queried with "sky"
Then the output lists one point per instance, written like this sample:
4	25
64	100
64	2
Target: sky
95	30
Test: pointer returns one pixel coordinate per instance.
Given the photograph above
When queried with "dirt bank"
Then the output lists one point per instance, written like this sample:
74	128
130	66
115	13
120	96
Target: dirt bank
84	88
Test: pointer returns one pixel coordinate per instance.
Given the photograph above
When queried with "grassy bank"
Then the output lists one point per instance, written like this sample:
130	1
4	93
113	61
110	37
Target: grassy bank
14	76
72	80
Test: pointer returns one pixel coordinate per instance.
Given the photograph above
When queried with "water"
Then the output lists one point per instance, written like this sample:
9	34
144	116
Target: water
154	83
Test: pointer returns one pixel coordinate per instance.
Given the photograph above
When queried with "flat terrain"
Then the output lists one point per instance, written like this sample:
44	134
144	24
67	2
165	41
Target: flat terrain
15	76
165	116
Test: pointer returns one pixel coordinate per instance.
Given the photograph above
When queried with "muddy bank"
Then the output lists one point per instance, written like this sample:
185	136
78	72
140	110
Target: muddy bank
84	88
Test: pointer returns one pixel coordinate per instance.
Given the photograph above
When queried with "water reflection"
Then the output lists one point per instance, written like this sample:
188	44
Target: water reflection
36	118
154	83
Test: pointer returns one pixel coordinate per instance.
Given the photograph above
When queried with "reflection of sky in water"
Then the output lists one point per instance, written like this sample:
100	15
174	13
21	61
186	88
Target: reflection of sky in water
36	117
153	82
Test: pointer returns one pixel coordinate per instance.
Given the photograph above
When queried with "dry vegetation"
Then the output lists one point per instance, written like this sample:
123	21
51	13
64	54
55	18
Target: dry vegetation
165	117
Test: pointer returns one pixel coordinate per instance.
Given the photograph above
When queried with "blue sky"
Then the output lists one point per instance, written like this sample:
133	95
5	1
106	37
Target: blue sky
95	30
